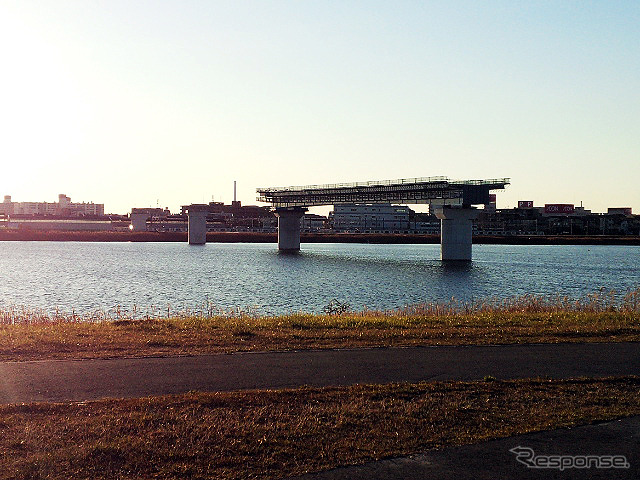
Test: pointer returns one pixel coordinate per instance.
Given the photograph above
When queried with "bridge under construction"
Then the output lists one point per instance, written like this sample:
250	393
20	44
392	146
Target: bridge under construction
452	201
439	191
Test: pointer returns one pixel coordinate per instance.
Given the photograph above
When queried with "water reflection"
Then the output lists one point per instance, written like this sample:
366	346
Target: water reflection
86	276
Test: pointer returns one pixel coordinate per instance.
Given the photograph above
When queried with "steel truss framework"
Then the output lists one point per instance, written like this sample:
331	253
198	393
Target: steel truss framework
430	190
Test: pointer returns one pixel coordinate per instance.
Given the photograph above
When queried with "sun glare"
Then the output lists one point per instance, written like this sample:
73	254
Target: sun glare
41	111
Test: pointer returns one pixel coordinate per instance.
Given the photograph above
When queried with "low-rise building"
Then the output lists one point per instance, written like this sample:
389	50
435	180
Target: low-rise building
381	218
312	222
556	219
64	207
362	218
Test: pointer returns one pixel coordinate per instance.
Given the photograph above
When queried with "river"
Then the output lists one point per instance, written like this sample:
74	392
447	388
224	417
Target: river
256	278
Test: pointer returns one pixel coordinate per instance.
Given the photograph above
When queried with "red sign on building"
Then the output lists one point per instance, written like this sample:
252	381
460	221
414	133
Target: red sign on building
492	198
525	203
559	208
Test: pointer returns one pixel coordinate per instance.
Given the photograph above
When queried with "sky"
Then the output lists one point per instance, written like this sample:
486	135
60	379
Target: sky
165	103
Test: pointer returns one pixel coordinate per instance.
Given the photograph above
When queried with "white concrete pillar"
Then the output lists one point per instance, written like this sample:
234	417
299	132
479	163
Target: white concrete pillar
289	228
197	226
456	226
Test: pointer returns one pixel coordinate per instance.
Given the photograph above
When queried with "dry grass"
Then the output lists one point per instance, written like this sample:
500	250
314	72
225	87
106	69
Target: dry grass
601	301
31	334
274	434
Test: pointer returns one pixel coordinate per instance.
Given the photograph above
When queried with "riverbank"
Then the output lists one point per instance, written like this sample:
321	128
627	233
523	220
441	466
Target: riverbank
36	336
275	434
254	237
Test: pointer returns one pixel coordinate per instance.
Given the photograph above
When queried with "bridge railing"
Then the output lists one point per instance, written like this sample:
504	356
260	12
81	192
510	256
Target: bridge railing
372	183
499	182
408	190
491	181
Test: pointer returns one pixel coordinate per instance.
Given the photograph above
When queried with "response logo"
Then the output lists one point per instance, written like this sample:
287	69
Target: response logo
527	456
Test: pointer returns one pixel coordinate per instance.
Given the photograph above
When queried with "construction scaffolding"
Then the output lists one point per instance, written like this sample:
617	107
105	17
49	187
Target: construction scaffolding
426	190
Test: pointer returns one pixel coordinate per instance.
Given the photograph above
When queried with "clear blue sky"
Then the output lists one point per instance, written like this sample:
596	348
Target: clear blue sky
129	103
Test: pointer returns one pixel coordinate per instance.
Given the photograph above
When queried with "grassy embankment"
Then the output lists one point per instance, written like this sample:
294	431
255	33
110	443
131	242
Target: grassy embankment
602	317
275	434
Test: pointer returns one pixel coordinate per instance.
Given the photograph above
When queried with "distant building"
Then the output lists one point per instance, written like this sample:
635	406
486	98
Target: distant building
235	210
220	218
527	219
311	222
620	211
381	218
556	219
63	208
140	216
238	218
67	225
361	218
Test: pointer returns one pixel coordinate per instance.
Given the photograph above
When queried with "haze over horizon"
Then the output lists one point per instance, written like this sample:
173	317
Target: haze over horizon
134	104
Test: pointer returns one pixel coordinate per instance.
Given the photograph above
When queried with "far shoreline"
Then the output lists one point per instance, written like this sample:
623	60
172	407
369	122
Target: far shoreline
255	237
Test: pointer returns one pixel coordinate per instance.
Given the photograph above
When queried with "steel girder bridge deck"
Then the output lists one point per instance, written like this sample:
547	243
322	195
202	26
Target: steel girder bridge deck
453	199
431	190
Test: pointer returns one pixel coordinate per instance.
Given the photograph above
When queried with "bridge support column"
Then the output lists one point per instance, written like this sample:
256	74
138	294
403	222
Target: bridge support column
289	228
197	224
455	232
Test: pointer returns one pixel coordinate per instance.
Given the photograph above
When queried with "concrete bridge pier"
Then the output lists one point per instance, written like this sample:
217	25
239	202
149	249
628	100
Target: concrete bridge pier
197	224
289	228
456	226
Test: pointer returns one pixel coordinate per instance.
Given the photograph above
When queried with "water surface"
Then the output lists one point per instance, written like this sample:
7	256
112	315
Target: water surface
102	276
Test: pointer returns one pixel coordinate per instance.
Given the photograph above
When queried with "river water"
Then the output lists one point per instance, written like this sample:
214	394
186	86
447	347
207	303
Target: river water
150	277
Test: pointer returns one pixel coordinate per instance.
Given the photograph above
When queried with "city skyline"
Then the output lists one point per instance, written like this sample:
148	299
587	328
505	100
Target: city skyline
163	104
323	210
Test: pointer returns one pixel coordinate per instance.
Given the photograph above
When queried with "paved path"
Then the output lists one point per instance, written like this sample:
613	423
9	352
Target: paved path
492	460
77	380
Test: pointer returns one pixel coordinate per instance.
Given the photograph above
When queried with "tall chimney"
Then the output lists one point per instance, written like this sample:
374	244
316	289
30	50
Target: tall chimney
235	202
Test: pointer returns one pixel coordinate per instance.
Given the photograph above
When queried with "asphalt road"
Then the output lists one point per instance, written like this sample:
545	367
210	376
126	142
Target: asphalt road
78	380
493	459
